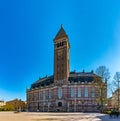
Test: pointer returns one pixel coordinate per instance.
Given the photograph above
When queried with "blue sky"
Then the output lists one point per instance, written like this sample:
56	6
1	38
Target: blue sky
27	29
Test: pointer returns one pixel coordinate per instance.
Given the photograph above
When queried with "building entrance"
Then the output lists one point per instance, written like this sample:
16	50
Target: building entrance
59	104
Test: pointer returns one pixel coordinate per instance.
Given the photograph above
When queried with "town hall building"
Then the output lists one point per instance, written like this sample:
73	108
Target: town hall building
65	91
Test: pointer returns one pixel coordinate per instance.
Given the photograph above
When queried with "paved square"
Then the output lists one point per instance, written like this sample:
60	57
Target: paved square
30	116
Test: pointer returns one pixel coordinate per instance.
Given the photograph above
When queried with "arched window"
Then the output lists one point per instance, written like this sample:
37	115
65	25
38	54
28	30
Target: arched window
72	92
60	93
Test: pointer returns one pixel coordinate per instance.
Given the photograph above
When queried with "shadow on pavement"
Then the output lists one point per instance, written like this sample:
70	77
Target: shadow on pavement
109	118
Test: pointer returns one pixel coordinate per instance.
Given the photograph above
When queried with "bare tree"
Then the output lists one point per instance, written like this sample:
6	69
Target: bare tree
101	90
102	82
103	72
117	89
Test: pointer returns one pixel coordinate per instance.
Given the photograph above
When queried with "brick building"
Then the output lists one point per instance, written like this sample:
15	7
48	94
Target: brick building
65	91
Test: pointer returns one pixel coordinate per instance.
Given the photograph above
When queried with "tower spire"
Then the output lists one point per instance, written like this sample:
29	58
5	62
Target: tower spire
61	33
62	26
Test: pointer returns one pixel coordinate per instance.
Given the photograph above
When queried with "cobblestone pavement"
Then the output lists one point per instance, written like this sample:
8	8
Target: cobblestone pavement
30	116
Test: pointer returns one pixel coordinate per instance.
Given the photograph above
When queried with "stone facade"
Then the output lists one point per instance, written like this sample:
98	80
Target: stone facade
64	91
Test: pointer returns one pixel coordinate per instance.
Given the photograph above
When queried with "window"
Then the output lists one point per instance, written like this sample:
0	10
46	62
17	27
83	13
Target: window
93	92
50	95
93	102
85	102
86	92
44	95
57	44
79	92
35	96
60	44
72	92
39	96
72	102
79	102
60	93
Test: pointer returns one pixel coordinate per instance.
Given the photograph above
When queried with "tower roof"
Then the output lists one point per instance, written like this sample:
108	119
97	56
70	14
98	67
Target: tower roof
61	33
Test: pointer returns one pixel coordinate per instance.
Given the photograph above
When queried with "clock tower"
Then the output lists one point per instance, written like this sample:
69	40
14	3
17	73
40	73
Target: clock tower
61	57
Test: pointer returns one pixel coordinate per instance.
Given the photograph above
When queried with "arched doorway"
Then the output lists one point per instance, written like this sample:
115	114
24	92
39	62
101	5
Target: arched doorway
59	104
